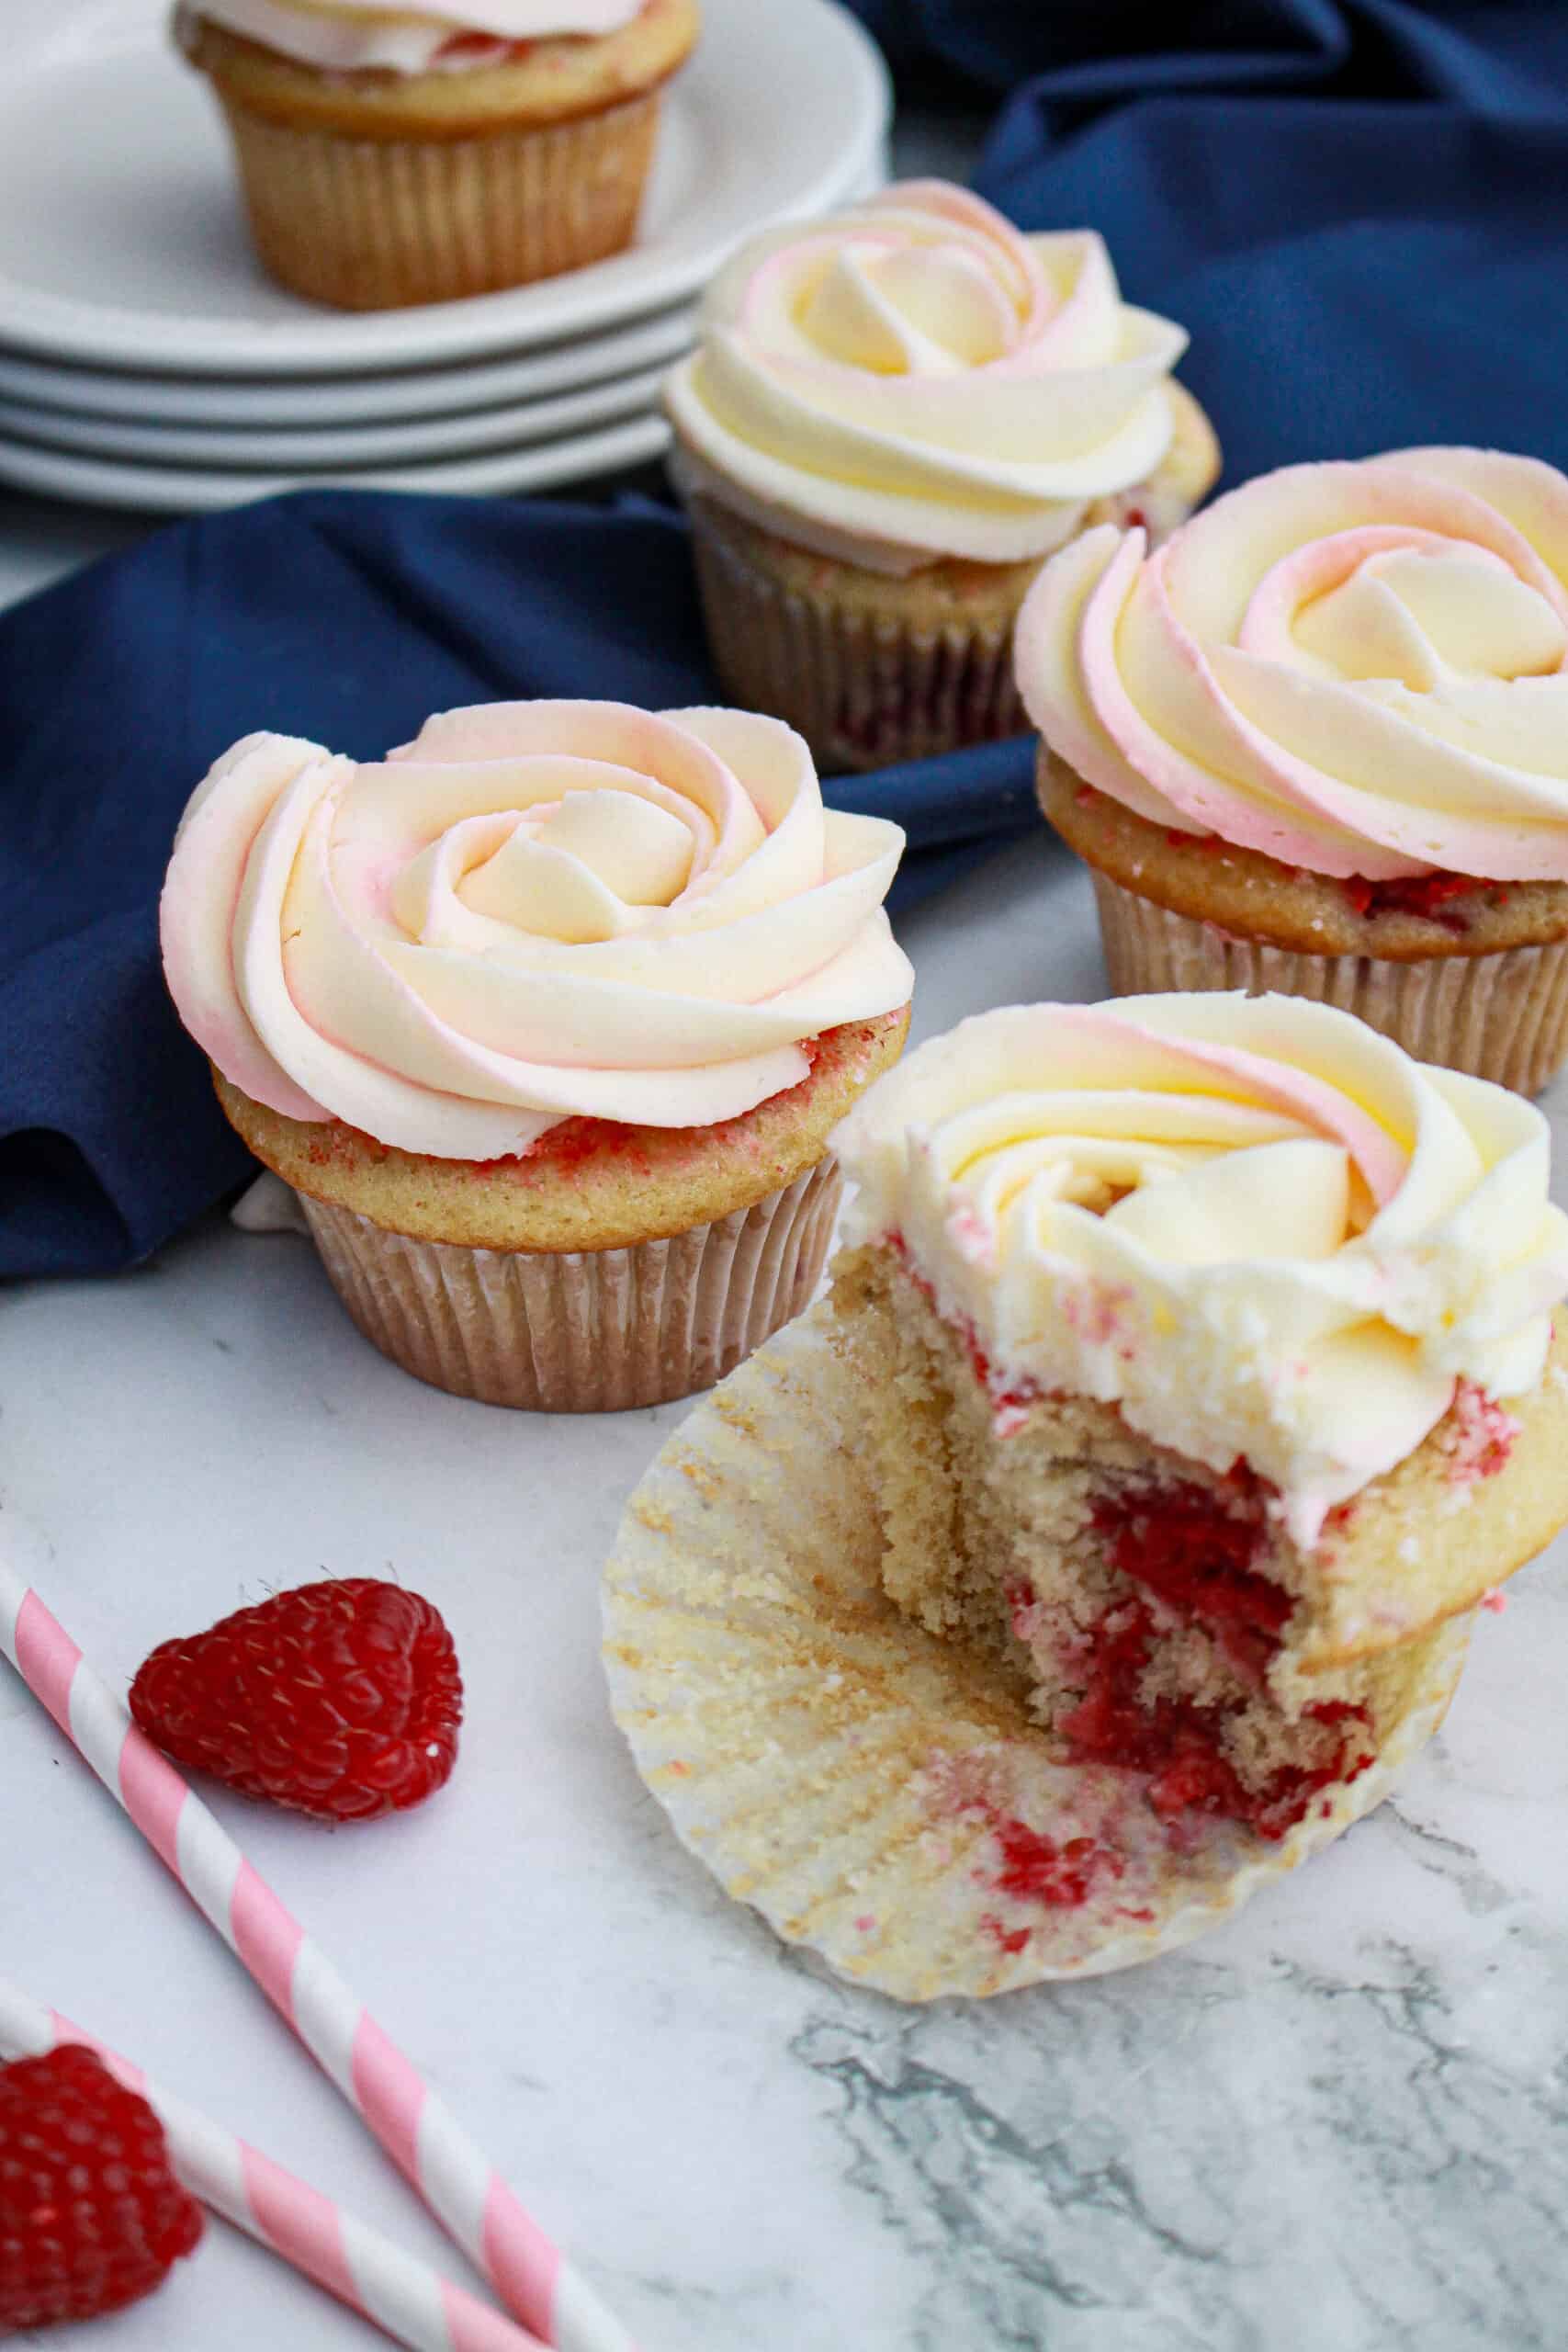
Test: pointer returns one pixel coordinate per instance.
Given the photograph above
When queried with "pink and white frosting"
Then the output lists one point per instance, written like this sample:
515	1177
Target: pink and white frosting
1252	1224
913	378
1358	669
533	911
358	35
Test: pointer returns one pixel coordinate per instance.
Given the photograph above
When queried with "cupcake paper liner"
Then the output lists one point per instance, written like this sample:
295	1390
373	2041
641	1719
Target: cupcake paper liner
372	224
864	692
1502	1016
877	1795
583	1332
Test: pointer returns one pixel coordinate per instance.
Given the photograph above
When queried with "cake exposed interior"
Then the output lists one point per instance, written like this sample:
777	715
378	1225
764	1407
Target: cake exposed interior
1152	1607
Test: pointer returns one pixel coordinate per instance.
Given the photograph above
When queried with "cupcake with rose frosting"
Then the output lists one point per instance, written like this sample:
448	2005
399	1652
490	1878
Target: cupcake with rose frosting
891	418
547	1019
392	156
1315	743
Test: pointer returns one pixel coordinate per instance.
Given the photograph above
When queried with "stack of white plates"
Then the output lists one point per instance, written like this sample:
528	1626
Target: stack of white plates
145	360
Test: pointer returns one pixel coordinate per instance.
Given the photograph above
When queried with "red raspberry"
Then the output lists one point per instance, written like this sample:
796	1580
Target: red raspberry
91	2217
340	1698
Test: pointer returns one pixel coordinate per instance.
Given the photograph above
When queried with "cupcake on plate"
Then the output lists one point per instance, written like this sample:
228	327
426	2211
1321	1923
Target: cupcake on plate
391	156
547	1019
891	418
1315	743
1187	1380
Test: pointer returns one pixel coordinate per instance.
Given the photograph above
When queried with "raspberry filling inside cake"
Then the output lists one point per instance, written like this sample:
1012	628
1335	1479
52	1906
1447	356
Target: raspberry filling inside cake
1146	1603
1438	895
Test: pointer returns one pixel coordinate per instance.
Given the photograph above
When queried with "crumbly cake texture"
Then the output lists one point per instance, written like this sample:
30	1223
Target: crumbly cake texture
871	667
548	82
588	1184
880	1794
1247	893
1157	1612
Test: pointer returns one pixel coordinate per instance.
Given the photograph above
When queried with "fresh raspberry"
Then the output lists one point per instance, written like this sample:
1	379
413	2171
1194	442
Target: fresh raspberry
91	2217
341	1699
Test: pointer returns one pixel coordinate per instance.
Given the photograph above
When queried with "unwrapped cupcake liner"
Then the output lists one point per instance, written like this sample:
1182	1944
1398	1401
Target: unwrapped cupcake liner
1502	1016
864	692
373	224
586	1331
879	1796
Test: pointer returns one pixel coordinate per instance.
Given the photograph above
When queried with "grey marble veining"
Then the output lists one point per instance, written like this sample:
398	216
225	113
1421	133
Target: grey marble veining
1266	2156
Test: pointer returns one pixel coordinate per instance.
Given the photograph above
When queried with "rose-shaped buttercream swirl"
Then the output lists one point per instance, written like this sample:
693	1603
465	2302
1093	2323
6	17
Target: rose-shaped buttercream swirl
913	379
1360	669
533	911
358	35
1251	1223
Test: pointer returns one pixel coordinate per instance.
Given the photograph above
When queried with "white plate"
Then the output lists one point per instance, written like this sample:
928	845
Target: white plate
336	448
189	490
135	255
324	401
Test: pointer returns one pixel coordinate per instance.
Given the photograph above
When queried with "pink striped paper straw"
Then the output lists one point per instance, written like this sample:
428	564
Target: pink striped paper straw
408	2302
419	2131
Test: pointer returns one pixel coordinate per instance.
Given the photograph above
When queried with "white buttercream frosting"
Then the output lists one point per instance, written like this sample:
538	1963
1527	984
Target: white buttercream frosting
358	35
1360	668
533	911
913	378
1252	1224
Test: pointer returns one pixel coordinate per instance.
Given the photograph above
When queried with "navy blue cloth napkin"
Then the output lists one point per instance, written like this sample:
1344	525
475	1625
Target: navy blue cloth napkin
341	615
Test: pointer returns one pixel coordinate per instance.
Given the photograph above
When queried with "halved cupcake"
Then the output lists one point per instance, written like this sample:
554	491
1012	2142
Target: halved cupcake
1209	1372
1111	1537
547	1019
892	418
1315	744
397	156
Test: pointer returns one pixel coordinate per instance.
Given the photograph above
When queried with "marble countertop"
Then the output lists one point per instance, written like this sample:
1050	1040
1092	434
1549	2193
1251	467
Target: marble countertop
1339	2125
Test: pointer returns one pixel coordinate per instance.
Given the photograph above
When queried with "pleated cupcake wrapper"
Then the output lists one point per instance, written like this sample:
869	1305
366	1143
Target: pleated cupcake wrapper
1502	1016
583	1332
370	224
864	692
870	1790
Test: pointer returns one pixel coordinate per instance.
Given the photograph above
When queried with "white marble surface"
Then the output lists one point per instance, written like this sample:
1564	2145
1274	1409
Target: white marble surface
1341	2125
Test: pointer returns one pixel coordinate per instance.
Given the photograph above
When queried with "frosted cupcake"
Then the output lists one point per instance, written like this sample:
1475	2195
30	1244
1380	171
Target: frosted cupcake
547	1019
1112	1535
1314	743
396	156
1208	1368
892	418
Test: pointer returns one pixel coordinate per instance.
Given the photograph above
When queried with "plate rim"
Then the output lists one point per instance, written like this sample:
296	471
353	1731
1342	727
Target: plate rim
395	394
245	448
162	490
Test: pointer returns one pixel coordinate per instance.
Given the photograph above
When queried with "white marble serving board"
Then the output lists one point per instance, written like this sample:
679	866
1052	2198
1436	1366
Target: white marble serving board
1341	2125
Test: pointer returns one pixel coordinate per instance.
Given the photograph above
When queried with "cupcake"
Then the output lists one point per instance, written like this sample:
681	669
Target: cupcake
1189	1381
891	418
547	1019
393	156
1314	744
